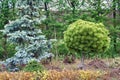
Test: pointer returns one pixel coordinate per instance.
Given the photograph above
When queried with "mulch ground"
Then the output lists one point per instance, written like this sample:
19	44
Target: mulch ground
96	64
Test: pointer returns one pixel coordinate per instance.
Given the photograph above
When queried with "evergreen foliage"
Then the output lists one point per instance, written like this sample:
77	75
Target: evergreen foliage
7	13
59	48
87	37
33	66
31	43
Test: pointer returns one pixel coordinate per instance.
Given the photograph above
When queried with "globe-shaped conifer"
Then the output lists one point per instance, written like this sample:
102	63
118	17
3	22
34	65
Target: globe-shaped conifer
87	37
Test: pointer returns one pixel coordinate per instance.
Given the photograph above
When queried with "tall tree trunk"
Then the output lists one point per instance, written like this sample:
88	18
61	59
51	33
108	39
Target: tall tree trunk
99	7
47	16
73	7
119	7
46	9
13	8
114	23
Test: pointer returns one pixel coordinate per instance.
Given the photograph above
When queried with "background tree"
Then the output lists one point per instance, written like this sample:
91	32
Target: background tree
61	13
116	19
7	13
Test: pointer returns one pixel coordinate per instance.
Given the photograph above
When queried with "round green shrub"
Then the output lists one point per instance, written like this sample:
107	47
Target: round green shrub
87	37
33	66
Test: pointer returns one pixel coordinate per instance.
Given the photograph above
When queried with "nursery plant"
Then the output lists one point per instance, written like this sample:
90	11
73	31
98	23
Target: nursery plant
86	37
31	43
33	66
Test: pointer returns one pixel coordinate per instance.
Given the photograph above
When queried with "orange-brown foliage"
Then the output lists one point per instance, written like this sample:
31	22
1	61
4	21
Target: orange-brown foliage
51	75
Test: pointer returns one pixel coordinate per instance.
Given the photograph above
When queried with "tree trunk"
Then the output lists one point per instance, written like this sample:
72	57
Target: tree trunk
81	65
119	7
114	24
73	7
47	16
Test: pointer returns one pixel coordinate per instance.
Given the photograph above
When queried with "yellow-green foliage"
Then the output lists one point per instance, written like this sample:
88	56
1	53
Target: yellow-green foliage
52	75
71	75
87	36
89	75
63	75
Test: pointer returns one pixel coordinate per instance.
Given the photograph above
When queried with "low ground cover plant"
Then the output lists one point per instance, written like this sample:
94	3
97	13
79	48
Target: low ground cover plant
52	75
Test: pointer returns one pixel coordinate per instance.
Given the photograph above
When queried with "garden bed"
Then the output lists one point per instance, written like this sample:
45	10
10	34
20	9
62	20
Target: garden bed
57	70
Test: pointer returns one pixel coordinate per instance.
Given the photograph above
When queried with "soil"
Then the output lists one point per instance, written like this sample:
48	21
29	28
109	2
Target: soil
113	74
96	64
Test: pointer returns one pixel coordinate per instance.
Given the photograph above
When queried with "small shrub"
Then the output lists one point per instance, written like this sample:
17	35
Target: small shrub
59	48
33	66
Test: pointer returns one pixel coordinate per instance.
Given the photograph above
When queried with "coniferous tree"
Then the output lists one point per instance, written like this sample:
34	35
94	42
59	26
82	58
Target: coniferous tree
31	43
